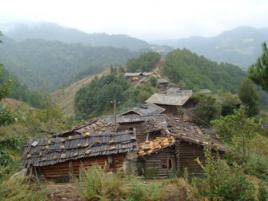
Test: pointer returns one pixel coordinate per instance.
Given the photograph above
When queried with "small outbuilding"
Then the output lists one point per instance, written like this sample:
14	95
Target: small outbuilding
57	157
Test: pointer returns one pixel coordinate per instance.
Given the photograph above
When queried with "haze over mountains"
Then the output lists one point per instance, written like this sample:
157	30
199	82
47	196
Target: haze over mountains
240	46
48	54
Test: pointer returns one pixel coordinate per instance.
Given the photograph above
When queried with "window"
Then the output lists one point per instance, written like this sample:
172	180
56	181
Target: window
164	164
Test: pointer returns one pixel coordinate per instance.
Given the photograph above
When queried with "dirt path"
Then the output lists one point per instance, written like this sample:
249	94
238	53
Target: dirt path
63	192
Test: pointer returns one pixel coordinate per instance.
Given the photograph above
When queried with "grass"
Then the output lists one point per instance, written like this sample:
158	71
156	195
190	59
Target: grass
19	189
97	185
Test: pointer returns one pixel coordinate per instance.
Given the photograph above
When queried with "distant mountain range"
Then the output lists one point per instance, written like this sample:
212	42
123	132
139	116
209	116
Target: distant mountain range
46	54
240	46
54	32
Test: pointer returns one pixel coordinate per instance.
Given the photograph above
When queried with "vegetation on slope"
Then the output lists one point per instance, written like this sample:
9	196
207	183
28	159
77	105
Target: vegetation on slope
197	72
46	64
144	63
99	96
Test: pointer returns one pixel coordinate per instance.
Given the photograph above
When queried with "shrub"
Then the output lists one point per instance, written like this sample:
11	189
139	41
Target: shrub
95	184
19	190
223	182
151	173
263	192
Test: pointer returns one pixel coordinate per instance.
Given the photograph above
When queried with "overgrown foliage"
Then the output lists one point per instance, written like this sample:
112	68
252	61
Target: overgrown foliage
222	182
19	189
197	72
100	95
144	63
259	71
237	129
97	185
249	97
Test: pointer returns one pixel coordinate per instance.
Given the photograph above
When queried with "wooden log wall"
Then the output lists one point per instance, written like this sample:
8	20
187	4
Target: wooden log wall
160	161
187	154
72	168
140	130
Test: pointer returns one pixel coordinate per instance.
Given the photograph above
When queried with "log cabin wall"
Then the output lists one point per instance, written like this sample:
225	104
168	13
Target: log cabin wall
187	154
139	127
163	162
169	109
72	168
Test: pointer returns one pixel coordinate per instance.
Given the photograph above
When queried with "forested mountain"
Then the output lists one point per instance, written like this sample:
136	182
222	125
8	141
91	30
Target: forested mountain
239	46
20	91
54	32
197	72
52	64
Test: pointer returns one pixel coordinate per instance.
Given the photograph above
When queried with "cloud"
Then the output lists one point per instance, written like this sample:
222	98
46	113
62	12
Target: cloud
150	19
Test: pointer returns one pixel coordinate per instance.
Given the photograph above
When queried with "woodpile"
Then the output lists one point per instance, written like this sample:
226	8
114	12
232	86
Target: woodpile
149	147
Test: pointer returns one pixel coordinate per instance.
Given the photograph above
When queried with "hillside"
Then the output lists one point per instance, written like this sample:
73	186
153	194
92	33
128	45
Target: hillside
54	32
50	65
240	46
64	98
197	72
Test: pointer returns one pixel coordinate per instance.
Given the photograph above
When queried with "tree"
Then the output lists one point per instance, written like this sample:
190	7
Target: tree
258	72
207	109
237	130
5	116
249	97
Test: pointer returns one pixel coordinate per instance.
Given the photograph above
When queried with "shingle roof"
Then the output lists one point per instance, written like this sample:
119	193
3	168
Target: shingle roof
190	132
165	99
50	151
145	109
132	74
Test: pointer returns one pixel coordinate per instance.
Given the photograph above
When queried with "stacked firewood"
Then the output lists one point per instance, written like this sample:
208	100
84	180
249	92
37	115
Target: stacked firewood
149	147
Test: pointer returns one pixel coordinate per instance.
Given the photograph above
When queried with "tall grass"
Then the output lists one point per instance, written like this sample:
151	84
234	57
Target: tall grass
97	185
18	189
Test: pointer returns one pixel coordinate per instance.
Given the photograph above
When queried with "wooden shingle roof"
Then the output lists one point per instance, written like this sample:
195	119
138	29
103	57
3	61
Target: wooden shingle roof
50	151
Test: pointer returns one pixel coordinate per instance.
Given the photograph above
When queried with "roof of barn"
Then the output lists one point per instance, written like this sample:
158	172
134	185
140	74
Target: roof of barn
145	109
190	132
50	151
169	99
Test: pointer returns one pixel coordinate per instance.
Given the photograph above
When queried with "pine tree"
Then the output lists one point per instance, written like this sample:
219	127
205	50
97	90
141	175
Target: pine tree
258	72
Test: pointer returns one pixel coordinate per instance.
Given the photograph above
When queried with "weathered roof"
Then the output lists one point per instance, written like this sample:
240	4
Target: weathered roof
149	147
132	74
192	133
168	99
145	109
179	92
50	151
92	126
147	73
162	81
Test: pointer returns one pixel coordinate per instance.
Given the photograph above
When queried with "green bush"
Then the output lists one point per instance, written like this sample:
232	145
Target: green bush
223	182
263	192
95	184
151	173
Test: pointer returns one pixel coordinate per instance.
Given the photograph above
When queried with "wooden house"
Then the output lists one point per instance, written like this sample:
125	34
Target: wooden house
64	156
171	154
162	84
147	120
171	100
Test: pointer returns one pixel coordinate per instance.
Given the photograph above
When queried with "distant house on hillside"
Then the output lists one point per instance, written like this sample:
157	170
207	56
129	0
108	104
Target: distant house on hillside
172	99
162	84
135	77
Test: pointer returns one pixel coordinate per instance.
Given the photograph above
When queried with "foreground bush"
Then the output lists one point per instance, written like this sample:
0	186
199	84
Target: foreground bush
97	185
20	190
223	182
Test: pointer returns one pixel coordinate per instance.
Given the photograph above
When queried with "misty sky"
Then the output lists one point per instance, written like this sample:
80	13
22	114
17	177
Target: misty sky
146	19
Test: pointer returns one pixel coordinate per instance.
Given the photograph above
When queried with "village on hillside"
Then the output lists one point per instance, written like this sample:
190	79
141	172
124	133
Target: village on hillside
154	139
